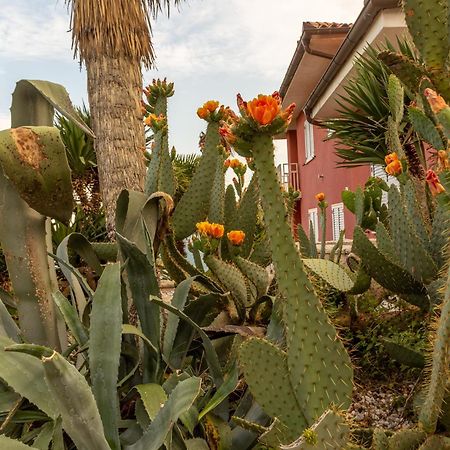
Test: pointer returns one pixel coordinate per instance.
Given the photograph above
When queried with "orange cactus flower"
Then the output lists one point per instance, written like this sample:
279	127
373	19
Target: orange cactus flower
227	163
216	230
208	107
433	183
437	103
394	168
320	197
286	115
151	117
202	113
235	163
236	237
443	162
211	105
203	228
264	108
388	159
154	121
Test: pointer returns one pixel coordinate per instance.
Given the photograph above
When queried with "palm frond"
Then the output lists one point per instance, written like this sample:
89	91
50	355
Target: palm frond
115	28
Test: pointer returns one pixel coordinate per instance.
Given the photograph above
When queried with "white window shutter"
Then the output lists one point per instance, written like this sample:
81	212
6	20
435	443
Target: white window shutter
337	217
309	141
313	219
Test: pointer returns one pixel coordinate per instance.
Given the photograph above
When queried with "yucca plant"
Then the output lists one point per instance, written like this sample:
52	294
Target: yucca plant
88	217
361	125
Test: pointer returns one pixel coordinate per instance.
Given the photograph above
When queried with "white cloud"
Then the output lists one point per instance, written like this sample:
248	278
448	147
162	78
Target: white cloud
34	30
204	36
239	36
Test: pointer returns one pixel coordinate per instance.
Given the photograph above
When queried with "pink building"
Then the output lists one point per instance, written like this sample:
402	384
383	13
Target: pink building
321	66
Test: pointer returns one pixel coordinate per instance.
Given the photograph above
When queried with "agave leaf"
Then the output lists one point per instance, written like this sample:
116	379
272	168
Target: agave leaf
71	318
8	327
143	283
178	301
201	311
180	400
104	349
45	436
228	386
8	398
153	397
210	353
25	375
76	404
28	92
13	444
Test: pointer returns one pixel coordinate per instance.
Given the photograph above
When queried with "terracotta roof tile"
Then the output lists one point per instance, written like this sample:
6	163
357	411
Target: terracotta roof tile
318	25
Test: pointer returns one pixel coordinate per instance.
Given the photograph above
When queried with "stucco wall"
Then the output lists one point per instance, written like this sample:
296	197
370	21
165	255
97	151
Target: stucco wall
321	174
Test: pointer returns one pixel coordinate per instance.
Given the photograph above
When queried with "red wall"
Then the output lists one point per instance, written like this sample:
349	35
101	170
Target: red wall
321	174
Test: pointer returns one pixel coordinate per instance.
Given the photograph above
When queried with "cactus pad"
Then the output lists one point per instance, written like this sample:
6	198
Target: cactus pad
425	127
256	274
428	23
411	252
232	280
331	272
193	206
408	439
382	270
329	432
266	372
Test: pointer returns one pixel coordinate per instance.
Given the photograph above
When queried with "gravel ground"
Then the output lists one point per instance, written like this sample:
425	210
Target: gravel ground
383	405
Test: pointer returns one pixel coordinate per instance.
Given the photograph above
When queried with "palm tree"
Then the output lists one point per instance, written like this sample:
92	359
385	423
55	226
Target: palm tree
113	39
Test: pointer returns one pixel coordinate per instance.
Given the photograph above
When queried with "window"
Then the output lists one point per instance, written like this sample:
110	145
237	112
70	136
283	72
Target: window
309	142
378	170
313	222
337	217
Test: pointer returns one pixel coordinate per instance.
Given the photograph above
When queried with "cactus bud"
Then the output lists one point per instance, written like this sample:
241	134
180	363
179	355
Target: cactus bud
236	237
433	183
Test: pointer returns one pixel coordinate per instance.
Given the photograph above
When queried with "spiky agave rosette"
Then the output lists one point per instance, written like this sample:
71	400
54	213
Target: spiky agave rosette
314	371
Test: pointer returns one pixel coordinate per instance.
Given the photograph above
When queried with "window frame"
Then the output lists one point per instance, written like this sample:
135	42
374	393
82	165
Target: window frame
309	141
315	223
337	230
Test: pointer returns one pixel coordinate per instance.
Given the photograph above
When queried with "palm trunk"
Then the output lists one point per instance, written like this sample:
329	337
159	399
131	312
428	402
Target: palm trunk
114	88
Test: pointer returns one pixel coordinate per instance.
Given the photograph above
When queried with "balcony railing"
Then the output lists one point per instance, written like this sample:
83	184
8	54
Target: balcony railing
288	175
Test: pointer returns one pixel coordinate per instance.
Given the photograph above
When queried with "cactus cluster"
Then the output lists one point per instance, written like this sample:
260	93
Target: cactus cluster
298	378
409	254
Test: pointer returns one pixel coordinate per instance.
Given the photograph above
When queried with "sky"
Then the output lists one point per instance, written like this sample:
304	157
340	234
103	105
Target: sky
210	49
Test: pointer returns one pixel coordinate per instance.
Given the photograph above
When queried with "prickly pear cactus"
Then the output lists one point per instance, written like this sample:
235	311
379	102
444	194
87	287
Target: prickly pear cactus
160	175
408	259
194	205
318	368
